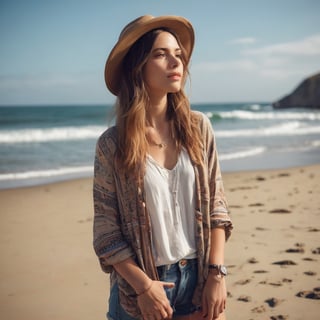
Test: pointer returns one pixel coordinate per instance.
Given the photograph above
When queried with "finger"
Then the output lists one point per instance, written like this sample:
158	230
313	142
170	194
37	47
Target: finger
169	312
163	314
210	314
211	310
222	306
158	316
218	309
204	308
168	284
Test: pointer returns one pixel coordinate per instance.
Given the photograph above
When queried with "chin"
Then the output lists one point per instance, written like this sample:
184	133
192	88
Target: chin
174	90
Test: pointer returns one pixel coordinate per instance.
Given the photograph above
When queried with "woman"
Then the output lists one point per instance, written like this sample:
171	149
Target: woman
161	217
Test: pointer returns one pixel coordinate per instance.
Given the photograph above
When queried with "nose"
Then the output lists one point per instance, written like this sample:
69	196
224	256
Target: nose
174	61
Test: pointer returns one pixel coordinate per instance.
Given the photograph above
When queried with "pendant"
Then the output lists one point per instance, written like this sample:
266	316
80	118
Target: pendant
161	145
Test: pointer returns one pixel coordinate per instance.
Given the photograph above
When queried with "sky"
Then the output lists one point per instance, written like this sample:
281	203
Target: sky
54	52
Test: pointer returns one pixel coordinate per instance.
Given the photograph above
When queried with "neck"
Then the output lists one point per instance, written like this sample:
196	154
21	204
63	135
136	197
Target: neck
156	113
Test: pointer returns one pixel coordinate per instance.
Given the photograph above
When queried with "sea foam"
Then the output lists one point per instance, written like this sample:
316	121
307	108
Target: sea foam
46	173
242	154
249	115
292	128
50	134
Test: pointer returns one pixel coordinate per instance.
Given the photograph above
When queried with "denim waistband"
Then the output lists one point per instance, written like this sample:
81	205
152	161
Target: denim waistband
181	263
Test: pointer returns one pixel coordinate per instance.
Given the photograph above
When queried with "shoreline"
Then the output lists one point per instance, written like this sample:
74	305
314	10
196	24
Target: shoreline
256	163
49	269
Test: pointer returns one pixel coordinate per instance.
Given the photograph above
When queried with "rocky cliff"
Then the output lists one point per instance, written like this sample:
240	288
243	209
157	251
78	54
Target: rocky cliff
306	95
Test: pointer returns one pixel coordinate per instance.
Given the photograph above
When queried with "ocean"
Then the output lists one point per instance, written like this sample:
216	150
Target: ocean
53	143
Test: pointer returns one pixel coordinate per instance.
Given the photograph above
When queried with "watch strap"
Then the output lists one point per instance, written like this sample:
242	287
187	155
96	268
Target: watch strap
221	269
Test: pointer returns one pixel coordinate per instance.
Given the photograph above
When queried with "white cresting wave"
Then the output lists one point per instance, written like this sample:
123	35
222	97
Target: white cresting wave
249	115
93	132
50	134
316	143
46	173
293	128
242	154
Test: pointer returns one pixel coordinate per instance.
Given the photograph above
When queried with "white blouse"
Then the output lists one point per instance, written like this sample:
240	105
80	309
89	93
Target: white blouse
170	199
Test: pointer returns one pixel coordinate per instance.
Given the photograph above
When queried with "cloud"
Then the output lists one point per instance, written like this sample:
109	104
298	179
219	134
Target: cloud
263	73
276	61
240	65
245	40
308	46
283	60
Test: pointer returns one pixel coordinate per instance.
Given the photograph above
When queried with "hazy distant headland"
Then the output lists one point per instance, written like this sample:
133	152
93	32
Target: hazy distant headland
306	95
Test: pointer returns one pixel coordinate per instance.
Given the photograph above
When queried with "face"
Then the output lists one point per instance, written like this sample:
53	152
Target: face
163	71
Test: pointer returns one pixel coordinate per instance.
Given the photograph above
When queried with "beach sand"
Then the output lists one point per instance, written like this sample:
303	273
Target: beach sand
49	269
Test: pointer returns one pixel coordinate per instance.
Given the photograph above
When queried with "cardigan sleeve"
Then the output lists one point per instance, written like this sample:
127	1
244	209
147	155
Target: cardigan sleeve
219	214
108	241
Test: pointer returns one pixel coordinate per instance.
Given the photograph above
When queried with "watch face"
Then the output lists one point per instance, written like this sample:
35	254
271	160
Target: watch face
223	270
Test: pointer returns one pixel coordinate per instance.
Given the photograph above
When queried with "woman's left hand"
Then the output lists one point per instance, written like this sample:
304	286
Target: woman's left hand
214	297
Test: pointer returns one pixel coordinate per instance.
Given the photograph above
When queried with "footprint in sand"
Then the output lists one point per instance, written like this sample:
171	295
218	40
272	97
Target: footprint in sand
83	221
295	250
316	251
258	204
310	273
285	263
312	294
285	174
253	260
309	259
272	302
299	248
235	207
244	298
280	211
286	280
243	282
279	317
260	271
261	229
259	309
275	284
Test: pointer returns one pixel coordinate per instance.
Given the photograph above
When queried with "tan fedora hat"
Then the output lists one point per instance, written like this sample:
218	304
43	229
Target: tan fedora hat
136	29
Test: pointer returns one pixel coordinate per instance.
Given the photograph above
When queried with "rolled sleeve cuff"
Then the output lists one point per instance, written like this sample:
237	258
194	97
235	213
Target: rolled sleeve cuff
107	259
222	221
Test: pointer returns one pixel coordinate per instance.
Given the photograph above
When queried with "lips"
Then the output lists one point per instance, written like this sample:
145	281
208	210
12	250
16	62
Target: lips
174	75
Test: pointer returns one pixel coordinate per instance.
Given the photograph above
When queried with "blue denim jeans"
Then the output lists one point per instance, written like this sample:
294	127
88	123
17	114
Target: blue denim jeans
183	273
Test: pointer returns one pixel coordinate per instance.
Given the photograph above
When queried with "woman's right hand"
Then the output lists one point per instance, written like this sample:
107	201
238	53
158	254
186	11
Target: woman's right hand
154	303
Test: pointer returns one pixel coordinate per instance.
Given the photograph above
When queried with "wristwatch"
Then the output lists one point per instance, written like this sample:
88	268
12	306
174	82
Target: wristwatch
221	269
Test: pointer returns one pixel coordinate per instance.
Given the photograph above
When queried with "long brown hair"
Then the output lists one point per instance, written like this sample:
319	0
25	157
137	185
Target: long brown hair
131	109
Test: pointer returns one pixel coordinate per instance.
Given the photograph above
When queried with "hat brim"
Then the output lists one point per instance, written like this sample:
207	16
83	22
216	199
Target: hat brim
181	26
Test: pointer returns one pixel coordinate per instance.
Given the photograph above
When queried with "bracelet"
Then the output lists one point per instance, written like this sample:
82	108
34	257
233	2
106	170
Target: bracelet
146	290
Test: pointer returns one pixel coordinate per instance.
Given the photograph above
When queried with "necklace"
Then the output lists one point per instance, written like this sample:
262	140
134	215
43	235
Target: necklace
161	145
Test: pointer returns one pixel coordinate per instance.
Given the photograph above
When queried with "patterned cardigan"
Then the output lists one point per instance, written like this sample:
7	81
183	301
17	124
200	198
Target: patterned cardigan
122	224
